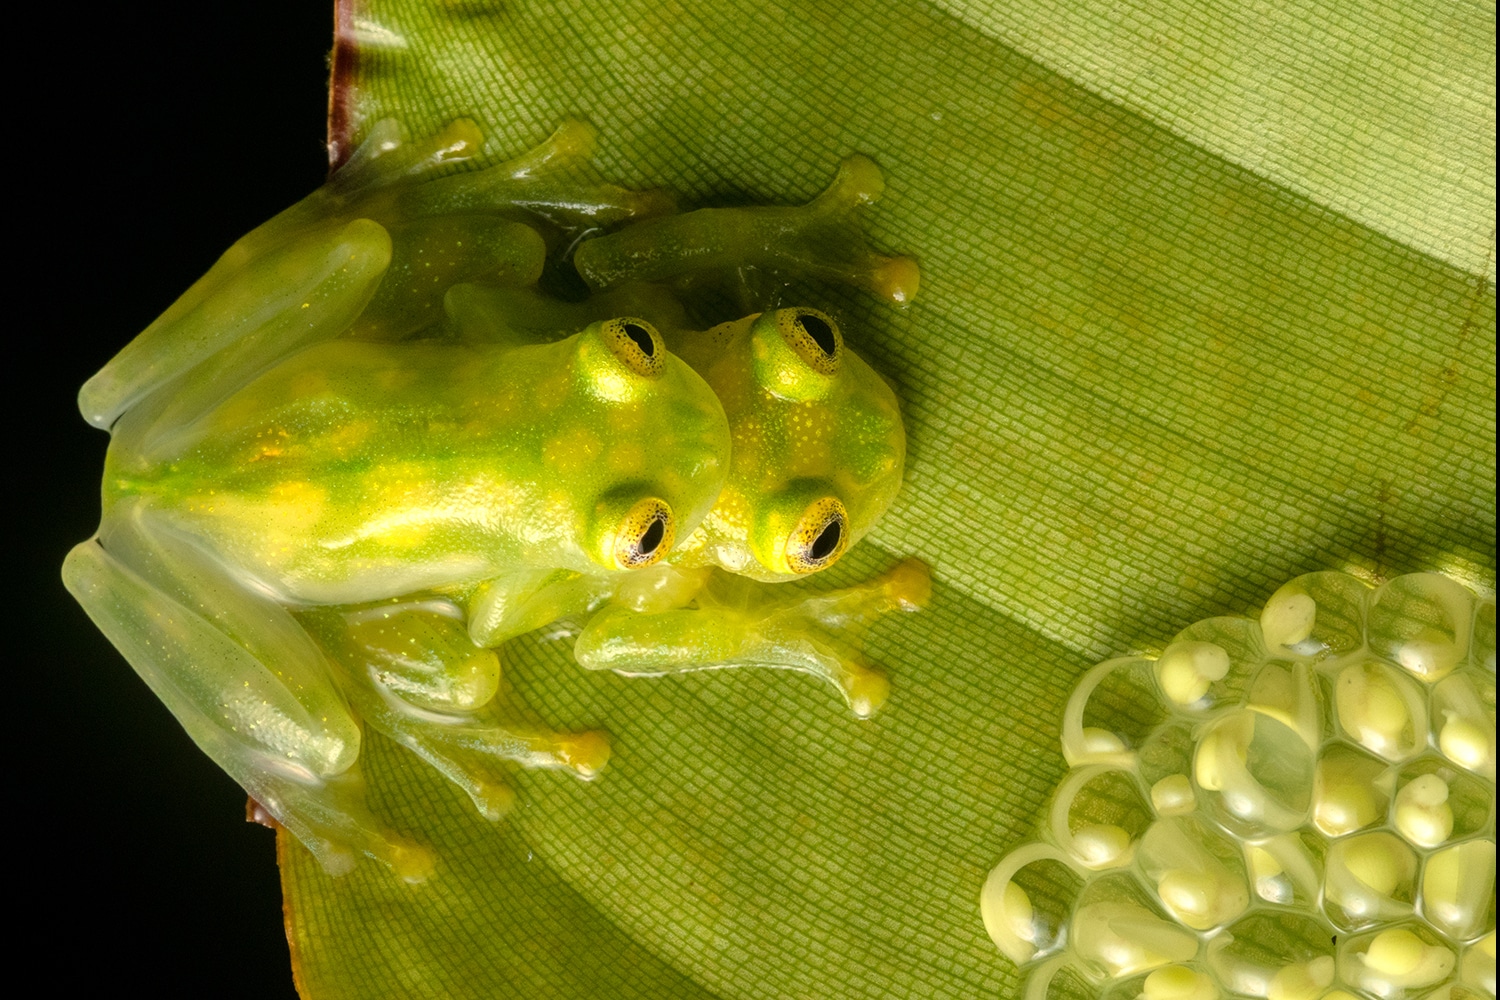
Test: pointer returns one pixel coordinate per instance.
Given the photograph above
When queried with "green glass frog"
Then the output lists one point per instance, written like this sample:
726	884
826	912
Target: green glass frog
364	449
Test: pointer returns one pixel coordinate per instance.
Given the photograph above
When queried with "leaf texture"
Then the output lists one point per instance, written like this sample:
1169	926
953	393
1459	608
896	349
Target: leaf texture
1154	371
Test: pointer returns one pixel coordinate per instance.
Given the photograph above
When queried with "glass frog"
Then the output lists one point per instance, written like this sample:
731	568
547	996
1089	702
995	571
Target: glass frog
384	434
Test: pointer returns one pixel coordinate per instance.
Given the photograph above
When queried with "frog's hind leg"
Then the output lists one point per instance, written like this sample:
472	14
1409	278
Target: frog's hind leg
244	680
741	623
822	239
415	675
249	311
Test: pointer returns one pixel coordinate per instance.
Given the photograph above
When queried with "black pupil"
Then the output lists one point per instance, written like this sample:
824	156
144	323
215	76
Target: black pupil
653	536
827	540
822	335
642	339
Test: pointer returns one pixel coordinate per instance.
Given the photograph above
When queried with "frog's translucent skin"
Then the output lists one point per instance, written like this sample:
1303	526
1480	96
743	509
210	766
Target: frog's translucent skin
338	476
1280	815
817	453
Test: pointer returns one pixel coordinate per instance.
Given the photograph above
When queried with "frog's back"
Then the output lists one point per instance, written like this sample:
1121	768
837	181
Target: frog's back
356	470
351	469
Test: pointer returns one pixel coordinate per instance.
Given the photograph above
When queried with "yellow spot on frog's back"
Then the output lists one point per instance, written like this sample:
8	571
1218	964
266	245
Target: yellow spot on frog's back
284	512
348	437
400	485
297	503
747	444
627	419
627	458
550	392
406	535
572	450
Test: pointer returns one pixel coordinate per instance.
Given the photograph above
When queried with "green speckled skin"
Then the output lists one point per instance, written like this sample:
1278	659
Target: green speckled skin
365	448
798	435
355	471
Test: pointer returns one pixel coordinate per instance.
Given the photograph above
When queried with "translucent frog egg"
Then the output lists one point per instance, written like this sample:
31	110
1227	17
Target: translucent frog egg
1299	807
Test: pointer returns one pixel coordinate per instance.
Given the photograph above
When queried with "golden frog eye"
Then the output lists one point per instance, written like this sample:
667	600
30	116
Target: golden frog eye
814	336
820	537
645	534
636	343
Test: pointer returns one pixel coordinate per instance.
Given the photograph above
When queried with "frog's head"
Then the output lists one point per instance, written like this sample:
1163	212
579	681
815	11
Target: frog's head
655	452
817	446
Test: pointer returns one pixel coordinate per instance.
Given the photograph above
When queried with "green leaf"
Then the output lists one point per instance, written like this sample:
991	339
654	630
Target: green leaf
1160	364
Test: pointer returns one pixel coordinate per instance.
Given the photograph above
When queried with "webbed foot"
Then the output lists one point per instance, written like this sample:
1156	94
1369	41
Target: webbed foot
822	239
412	672
737	622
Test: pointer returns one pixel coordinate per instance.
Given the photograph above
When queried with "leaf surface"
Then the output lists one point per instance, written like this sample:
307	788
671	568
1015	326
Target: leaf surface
1151	375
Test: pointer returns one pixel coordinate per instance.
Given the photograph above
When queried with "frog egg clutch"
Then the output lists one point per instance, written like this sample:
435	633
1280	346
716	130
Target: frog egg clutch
429	409
1296	808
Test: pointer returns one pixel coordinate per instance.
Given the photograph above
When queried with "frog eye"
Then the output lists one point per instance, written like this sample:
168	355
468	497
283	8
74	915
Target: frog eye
820	537
814	336
645	534
636	343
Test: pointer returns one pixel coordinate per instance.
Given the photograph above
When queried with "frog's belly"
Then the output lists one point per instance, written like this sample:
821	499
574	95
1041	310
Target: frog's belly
301	553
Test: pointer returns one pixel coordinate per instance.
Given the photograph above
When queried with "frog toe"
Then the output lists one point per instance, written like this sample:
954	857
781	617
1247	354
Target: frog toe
866	690
384	158
584	753
332	821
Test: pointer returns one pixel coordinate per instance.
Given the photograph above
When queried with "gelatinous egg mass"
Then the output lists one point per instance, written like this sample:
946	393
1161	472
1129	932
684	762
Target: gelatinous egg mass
1296	808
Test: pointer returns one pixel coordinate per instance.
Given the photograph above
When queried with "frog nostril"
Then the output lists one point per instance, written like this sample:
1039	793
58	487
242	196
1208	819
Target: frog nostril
642	338
818	329
827	541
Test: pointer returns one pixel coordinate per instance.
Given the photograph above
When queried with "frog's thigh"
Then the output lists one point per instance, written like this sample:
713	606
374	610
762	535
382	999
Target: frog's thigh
650	644
277	726
260	309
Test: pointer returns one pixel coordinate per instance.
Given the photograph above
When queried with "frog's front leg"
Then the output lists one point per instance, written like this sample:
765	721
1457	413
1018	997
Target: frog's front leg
738	622
242	677
822	239
414	674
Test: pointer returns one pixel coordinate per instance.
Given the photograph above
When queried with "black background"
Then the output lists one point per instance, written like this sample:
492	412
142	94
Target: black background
142	140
